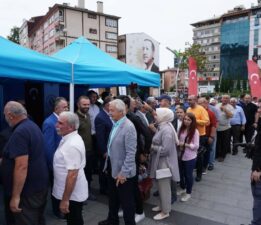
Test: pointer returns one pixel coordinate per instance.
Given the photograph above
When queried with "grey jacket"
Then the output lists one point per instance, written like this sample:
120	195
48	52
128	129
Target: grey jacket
122	151
163	152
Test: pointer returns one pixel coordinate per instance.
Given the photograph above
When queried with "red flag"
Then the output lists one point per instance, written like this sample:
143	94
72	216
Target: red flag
253	78
193	79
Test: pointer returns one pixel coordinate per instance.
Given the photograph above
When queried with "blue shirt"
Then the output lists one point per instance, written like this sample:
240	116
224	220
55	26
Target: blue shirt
238	116
113	132
26	139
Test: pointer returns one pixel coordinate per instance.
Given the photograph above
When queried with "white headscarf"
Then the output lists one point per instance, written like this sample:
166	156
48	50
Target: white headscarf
165	115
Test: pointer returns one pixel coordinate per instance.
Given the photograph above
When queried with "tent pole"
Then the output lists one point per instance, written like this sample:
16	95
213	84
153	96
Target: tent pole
72	91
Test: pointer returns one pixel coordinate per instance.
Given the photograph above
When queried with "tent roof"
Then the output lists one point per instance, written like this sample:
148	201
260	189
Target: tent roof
22	63
96	68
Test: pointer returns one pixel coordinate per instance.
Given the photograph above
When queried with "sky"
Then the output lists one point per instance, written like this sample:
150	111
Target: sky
166	21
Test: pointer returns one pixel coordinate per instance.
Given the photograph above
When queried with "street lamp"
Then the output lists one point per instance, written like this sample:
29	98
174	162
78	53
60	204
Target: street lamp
176	56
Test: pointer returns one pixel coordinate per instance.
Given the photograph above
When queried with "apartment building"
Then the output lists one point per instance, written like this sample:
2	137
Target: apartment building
64	23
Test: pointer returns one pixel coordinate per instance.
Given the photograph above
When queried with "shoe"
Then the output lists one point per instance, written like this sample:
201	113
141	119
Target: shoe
120	213
92	197
105	222
210	167
173	199
161	216
156	209
185	198
198	179
234	153
139	217
220	159
156	194
204	172
181	192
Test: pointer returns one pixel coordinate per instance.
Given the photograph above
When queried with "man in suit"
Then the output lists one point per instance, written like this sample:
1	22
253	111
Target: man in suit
51	142
148	55
121	166
103	125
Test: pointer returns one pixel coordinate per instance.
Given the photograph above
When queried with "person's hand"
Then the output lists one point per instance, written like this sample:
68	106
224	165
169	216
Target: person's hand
120	180
143	157
255	125
181	143
14	205
64	206
210	140
242	127
105	155
256	176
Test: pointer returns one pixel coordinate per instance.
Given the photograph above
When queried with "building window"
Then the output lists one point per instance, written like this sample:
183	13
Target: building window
46	36
111	48
92	31
111	22
256	36
95	44
61	17
51	33
110	35
92	16
256	21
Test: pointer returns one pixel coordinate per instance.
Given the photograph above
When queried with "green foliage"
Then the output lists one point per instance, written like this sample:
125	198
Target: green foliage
194	51
14	35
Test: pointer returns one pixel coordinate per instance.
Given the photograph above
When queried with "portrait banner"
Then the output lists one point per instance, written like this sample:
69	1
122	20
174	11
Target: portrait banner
193	79
254	79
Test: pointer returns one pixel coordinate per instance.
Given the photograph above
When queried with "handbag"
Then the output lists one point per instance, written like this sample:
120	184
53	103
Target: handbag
163	173
201	150
144	187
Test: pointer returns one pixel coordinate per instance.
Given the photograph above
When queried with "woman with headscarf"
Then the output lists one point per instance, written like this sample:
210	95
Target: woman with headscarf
164	155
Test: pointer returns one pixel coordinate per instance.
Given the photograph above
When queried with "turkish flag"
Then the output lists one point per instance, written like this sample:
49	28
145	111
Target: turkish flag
193	79
254	79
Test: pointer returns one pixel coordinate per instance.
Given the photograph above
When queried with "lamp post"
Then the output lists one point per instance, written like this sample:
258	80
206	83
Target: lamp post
177	56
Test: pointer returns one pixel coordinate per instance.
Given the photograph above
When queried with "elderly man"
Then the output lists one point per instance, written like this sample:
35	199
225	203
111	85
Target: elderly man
237	123
25	173
121	166
70	184
225	111
51	142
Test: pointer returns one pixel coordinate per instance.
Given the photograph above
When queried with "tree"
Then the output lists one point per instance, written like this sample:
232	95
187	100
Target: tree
14	35
194	51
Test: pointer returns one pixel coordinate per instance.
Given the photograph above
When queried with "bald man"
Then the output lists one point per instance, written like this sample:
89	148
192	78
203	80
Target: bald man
25	173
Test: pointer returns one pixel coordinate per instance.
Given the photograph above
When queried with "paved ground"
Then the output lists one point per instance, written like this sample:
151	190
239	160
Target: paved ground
223	197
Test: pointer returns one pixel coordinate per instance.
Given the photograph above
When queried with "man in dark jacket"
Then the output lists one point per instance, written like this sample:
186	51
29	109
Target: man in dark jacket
256	177
103	125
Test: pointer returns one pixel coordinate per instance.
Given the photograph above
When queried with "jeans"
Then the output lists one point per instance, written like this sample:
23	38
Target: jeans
186	175
256	192
212	152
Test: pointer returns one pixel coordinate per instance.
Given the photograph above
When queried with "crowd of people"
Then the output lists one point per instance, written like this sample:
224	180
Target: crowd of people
130	144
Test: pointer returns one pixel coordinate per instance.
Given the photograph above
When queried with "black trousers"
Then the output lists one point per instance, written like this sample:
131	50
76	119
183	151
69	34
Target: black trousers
75	215
223	143
103	177
88	170
32	213
122	195
200	157
236	133
249	132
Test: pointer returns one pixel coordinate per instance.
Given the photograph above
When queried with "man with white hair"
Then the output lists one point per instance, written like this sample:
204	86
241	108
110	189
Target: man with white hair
120	165
237	123
70	184
24	169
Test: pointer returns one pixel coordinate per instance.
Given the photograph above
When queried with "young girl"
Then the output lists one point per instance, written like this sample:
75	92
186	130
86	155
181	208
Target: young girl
189	144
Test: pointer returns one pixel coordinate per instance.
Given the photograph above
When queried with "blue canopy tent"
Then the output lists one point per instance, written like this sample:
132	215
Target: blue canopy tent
22	63
92	66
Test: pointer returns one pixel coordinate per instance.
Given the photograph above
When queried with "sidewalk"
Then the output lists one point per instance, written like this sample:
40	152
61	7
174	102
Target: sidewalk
223	197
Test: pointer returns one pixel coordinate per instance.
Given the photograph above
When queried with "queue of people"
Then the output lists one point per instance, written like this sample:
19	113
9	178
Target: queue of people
124	141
